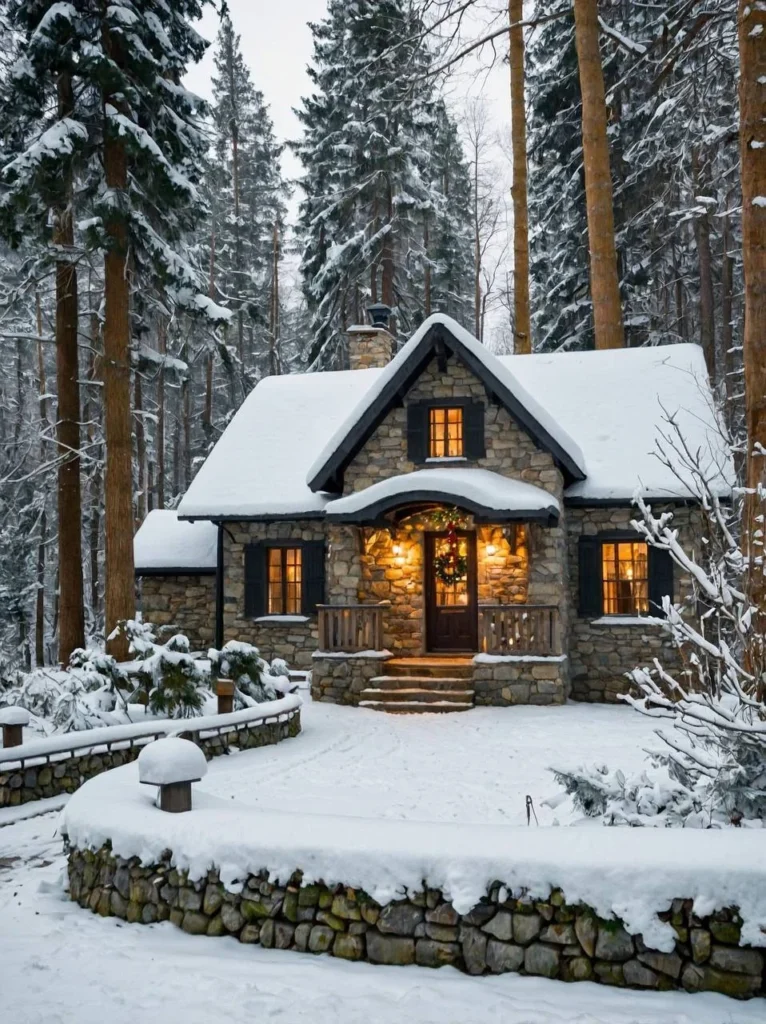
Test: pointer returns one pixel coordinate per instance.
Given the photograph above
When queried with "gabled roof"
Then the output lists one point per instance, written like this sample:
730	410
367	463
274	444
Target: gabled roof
611	404
163	542
489	496
440	334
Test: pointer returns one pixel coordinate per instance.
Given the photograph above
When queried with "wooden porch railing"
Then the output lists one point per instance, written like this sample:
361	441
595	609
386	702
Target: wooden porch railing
519	629
351	627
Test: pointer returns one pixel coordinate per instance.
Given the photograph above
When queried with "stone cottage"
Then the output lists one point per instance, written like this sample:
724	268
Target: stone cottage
439	527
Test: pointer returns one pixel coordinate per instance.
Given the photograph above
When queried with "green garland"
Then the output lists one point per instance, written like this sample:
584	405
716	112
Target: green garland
449	570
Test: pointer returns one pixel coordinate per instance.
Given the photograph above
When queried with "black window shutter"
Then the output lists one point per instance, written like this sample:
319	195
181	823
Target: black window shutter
591	604
417	432
660	579
255	580
313	576
473	425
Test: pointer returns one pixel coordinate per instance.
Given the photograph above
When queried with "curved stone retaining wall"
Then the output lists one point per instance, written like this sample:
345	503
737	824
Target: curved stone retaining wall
57	774
550	939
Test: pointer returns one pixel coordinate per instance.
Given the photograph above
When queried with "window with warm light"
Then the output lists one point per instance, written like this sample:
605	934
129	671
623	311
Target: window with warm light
284	583
445	433
625	578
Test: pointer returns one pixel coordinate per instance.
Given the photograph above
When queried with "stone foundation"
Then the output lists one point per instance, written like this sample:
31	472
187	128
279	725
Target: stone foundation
502	681
186	603
550	938
20	784
340	678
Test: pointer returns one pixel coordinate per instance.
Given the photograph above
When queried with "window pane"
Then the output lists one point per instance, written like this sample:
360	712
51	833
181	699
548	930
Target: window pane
445	433
275	582
625	578
293	576
451	594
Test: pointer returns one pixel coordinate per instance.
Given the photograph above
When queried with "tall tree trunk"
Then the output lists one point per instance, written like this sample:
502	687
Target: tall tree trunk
752	107
138	412
426	268
522	336
604	280
118	505
727	332
72	615
92	418
186	412
707	311
274	361
162	332
44	425
387	253
237	248
207	411
476	247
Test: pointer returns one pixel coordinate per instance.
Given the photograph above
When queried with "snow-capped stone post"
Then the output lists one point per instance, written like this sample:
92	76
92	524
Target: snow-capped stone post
13	721
224	689
172	764
371	345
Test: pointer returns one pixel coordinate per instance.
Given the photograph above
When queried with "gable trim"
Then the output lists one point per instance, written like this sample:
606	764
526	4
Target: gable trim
329	476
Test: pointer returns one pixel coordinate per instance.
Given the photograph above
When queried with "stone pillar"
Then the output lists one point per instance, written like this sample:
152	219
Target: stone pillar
369	346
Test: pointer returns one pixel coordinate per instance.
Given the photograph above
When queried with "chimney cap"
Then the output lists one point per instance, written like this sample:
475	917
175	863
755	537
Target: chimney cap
379	314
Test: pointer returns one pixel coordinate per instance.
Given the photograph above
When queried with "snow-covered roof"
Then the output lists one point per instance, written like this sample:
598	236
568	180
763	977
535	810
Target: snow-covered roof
539	420
164	541
604	410
479	490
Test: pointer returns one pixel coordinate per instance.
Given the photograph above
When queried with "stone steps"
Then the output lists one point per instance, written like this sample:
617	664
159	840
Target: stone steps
410	694
419	682
453	667
412	707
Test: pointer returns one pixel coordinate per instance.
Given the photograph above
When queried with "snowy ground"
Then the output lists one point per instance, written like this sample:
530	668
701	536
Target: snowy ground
62	965
472	767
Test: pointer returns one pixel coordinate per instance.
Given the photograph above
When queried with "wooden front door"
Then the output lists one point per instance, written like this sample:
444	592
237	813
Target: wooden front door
451	608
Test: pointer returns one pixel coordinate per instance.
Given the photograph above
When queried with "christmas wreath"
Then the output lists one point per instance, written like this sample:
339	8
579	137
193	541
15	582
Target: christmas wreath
451	567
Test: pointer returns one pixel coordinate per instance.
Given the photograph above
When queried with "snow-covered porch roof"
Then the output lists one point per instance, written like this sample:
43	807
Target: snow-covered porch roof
489	496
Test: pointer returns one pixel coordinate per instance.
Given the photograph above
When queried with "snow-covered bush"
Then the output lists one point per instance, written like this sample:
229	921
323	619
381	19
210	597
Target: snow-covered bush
710	767
80	697
252	676
173	682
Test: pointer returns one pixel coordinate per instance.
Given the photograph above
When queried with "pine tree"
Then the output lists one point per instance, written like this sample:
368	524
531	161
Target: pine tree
248	198
39	199
369	206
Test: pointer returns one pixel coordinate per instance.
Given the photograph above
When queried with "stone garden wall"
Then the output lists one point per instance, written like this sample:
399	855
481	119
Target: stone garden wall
339	679
32	779
184	602
550	939
602	652
504	680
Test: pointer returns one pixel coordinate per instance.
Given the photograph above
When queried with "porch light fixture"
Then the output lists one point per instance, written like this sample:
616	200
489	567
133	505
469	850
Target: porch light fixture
491	549
397	549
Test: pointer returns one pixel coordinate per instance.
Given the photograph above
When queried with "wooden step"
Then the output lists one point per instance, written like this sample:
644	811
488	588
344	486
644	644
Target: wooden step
417	694
455	667
414	707
418	682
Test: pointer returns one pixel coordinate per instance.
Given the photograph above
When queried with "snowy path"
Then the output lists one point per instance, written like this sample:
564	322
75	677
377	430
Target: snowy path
474	767
62	965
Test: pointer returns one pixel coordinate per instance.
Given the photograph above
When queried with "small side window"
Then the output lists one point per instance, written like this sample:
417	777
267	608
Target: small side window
445	432
285	581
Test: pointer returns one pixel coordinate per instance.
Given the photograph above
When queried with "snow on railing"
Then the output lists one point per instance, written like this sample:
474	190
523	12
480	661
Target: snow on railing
122	737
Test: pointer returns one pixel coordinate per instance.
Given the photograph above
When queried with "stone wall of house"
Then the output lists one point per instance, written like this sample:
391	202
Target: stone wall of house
503	681
602	652
294	641
339	679
548	938
185	602
364	566
21	783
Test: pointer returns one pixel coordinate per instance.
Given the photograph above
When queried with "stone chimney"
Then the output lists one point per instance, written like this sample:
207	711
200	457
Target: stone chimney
371	345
